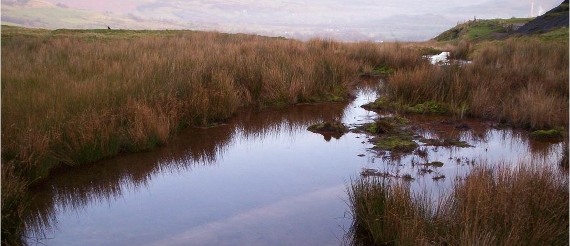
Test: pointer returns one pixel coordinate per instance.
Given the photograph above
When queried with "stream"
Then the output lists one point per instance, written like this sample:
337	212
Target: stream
259	179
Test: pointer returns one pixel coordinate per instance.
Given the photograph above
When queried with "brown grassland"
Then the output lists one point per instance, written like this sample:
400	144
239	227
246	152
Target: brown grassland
72	97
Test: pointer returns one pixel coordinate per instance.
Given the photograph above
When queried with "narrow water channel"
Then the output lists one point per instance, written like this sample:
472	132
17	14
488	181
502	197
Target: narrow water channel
260	179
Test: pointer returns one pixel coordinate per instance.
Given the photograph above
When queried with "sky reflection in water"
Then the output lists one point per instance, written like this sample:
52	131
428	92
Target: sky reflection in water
262	179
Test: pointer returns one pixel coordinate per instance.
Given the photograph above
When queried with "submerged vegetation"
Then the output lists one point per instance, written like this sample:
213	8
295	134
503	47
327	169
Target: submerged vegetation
396	134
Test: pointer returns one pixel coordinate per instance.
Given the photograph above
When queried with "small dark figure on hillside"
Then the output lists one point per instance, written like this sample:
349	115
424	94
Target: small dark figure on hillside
108	27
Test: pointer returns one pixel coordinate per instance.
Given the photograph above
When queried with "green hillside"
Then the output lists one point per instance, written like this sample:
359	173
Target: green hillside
478	30
551	25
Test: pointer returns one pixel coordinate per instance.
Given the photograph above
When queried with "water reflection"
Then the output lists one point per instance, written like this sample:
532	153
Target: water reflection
261	178
108	181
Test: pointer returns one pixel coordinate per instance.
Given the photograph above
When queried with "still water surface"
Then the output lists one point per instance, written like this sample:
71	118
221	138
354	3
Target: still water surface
260	179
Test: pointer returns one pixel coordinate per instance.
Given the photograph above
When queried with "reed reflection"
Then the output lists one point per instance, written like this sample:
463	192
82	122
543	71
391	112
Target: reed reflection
77	189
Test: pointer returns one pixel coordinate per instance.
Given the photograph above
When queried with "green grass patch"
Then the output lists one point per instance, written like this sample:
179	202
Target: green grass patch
398	143
554	133
429	107
556	35
381	103
384	103
377	71
479	30
386	125
391	134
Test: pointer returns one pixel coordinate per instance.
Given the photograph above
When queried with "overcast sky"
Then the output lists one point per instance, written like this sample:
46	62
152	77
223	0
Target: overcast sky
381	7
351	19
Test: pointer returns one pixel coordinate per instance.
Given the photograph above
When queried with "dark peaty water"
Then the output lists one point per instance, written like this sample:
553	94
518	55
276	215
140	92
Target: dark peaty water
261	179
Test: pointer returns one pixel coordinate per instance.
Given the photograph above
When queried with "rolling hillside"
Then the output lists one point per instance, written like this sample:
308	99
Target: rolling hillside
552	24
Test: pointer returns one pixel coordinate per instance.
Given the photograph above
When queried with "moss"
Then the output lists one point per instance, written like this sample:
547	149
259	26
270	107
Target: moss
384	103
379	103
381	125
329	127
386	125
429	107
392	134
396	144
557	132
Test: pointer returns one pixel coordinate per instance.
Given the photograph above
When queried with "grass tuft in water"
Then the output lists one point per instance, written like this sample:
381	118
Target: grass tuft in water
523	205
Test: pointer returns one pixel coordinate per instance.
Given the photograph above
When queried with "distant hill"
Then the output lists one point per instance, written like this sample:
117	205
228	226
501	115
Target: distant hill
477	30
355	20
44	14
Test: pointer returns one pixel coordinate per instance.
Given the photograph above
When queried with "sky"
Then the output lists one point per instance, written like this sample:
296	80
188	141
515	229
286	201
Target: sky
352	20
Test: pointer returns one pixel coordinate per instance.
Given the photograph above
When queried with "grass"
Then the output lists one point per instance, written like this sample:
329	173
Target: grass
395	134
523	205
533	73
74	97
555	133
71	101
479	30
391	134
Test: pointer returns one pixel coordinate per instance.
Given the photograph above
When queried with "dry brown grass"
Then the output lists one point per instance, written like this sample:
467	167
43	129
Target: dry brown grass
71	101
524	205
71	97
523	82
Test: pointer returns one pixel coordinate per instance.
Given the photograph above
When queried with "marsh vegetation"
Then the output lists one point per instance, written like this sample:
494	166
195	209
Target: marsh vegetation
74	97
493	205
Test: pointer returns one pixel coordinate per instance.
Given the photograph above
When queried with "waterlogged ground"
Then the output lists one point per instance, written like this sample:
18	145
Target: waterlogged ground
260	179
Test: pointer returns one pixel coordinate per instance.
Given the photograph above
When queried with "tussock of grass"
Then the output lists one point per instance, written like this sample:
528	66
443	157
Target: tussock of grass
391	134
330	127
526	205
